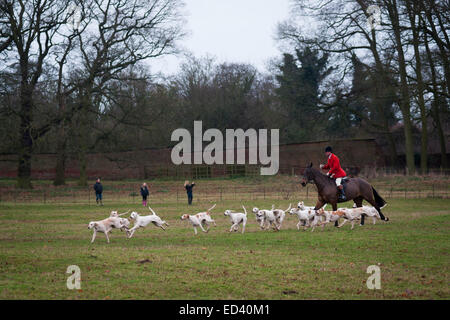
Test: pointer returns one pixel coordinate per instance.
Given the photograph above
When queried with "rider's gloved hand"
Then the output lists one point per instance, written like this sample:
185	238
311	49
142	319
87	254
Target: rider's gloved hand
321	166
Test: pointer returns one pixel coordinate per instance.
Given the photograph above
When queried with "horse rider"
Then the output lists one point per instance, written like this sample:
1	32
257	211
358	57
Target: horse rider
335	171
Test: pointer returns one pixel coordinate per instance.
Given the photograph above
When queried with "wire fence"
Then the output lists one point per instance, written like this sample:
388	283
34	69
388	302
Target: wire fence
208	192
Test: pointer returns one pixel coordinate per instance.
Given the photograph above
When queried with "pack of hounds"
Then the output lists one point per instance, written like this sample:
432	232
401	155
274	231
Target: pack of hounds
267	219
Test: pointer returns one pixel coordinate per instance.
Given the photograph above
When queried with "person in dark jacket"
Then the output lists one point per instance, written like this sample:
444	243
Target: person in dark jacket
144	193
189	186
98	192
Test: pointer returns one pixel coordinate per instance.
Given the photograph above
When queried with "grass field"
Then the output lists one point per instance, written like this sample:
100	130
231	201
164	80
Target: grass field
38	243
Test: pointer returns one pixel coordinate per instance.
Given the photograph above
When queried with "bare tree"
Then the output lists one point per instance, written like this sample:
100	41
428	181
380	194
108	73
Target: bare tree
122	34
342	29
413	9
439	100
29	28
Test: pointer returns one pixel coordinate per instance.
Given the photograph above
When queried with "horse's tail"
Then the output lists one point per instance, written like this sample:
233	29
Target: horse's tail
381	203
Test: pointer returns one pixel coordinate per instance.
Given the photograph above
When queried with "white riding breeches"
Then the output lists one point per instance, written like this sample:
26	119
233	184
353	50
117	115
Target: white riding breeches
338	181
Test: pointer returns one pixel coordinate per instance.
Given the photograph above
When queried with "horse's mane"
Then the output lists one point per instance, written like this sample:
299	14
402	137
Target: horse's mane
320	175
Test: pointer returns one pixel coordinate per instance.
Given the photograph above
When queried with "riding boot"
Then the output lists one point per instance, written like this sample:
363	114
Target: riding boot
342	195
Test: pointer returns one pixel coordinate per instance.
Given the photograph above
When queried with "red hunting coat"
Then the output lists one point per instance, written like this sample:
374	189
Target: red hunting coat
334	166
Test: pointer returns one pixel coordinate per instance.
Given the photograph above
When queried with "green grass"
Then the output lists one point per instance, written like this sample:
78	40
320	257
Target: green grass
39	241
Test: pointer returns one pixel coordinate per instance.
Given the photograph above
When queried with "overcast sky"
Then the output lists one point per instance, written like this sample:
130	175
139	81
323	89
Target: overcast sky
230	30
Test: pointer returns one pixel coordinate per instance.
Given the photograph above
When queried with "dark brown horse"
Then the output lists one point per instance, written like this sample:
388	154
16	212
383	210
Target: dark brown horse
356	189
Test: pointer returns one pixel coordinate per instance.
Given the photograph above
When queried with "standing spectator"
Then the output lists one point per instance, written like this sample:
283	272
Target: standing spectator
188	186
98	191
144	193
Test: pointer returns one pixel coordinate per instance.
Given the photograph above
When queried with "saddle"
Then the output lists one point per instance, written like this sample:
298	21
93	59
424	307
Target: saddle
345	180
344	186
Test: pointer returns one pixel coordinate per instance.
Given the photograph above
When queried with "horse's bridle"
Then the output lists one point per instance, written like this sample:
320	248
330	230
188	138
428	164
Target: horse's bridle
305	181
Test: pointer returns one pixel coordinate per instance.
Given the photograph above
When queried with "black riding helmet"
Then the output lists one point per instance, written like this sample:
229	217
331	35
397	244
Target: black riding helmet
328	149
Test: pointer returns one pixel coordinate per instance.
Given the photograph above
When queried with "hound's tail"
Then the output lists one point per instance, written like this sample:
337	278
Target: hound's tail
378	199
211	208
290	205
152	211
273	207
244	210
123	213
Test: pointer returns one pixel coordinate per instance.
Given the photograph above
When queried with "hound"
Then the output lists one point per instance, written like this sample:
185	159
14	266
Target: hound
125	222
142	221
116	214
280	214
355	213
105	226
301	206
200	219
370	212
236	219
268	216
259	218
307	218
330	216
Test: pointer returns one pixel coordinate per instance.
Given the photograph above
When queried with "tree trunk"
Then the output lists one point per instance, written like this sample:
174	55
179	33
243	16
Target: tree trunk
381	80
83	140
435	105
393	149
442	140
60	158
83	180
404	99
26	138
412	9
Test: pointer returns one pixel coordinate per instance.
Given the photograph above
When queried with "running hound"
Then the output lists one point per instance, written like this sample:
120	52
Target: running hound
200	219
259	218
142	221
125	222
330	216
105	226
280	214
306	218
268	216
236	219
301	206
354	214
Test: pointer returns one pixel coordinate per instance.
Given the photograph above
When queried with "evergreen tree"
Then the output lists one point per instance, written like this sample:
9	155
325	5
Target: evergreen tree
299	90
